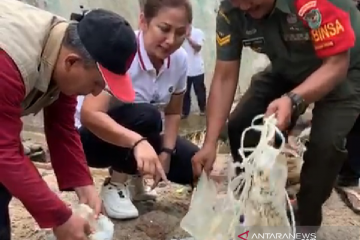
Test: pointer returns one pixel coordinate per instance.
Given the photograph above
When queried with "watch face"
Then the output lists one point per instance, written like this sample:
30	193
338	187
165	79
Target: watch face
301	108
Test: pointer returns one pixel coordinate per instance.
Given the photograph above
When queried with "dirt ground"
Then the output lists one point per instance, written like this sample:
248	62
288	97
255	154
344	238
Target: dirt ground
160	220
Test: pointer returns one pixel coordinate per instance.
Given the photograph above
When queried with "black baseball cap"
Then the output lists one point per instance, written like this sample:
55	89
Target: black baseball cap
111	42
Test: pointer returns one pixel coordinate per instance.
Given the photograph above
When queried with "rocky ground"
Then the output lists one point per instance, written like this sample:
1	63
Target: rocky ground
160	220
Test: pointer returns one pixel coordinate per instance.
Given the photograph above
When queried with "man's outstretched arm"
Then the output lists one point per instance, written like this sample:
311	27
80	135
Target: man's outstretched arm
225	78
334	49
66	151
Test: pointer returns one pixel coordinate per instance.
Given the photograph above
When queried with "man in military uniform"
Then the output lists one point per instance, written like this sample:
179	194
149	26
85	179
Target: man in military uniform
313	46
44	62
348	180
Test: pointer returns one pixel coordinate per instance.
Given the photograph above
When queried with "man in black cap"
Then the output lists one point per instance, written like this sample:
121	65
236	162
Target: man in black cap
45	62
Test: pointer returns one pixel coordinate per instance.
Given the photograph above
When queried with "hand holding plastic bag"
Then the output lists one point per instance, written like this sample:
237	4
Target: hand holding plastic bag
258	194
103	228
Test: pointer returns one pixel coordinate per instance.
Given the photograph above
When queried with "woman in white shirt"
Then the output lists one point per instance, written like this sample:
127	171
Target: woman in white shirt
142	137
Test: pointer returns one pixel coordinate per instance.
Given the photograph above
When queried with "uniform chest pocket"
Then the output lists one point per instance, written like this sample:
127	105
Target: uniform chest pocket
257	44
253	36
297	38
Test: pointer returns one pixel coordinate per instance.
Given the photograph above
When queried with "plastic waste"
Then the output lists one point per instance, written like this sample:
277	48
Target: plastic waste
258	194
103	227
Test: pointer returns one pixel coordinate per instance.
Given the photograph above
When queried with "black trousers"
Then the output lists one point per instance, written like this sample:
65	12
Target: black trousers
5	224
144	119
333	118
350	172
200	92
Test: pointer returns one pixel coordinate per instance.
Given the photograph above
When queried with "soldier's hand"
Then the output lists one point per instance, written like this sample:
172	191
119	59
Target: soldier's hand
203	160
281	107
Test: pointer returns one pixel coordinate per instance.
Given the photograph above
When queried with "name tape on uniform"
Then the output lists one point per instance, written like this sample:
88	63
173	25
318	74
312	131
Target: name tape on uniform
256	44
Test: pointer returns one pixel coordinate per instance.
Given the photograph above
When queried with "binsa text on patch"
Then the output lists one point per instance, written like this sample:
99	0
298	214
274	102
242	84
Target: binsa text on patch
327	31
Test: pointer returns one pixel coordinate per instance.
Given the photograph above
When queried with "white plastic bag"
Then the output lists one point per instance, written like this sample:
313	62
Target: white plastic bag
103	227
203	220
258	194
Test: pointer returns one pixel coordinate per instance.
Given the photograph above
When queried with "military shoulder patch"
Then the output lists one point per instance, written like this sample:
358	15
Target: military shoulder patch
305	7
313	18
222	14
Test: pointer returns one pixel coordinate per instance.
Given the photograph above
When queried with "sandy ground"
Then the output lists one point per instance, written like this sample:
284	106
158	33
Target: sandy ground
160	220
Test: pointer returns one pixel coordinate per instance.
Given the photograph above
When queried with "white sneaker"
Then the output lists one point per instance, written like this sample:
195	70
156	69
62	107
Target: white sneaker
138	189
117	200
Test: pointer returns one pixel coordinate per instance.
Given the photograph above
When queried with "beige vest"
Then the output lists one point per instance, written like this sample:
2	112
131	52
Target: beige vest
32	38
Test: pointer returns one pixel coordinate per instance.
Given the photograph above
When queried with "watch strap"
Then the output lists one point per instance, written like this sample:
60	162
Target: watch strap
167	150
297	102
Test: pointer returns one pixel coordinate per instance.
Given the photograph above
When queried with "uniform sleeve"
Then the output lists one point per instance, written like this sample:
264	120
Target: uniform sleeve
228	40
329	24
66	152
181	85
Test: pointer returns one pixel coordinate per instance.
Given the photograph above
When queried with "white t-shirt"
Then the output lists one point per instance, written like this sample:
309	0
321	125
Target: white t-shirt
195	60
149	87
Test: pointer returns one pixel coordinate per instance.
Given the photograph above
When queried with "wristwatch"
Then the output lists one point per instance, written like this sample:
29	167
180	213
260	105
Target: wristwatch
168	151
298	104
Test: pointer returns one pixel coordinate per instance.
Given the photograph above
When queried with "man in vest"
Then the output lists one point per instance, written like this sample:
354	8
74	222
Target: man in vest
314	47
44	62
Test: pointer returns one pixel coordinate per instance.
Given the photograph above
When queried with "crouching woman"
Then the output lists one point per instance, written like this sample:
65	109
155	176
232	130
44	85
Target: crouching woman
140	138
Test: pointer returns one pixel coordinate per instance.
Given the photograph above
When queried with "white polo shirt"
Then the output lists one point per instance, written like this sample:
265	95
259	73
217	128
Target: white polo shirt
150	87
195	60
157	88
